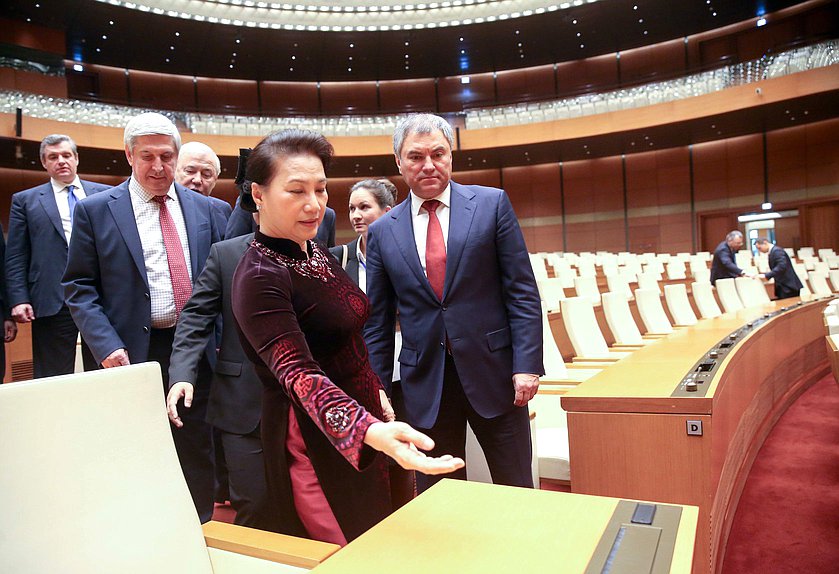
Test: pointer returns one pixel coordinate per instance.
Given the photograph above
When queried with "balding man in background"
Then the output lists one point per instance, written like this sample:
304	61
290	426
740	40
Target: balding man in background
787	283
135	251
40	225
198	169
724	264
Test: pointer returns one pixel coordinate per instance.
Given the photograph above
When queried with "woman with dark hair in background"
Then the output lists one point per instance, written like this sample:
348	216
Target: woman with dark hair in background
300	317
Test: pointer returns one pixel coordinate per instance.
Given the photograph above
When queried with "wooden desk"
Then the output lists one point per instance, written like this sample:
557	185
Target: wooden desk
459	526
628	435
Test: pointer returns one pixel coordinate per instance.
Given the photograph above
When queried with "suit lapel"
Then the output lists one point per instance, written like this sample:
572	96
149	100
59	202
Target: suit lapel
48	203
462	211
190	214
123	214
403	235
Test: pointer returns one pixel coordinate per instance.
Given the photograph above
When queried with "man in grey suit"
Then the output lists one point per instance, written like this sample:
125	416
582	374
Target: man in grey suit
40	225
235	403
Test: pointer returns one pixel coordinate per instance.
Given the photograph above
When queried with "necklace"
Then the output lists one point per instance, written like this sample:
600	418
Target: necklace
314	267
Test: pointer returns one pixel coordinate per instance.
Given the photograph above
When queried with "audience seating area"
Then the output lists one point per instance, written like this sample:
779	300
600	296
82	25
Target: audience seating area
599	307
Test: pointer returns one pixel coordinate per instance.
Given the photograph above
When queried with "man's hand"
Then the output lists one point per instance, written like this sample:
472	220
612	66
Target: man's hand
178	390
23	313
9	330
118	358
526	386
387	408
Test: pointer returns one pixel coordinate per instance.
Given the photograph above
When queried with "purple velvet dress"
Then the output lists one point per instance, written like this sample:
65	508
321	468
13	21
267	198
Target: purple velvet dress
300	318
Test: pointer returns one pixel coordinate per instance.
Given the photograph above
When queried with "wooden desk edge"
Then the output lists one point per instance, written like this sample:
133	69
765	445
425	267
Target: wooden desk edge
264	545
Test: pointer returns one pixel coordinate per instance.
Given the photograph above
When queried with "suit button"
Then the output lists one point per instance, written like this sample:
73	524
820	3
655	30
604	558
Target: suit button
147	295
445	308
145	329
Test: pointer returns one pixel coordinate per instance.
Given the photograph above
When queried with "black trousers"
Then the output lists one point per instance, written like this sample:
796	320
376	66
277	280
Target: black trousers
782	292
54	346
504	439
194	441
246	479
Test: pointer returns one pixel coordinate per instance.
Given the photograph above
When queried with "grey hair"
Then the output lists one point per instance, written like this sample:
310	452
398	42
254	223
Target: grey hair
150	124
378	189
761	241
733	235
198	147
55	139
420	124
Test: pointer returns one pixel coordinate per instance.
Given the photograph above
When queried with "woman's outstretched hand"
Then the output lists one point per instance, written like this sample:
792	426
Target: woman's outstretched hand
403	444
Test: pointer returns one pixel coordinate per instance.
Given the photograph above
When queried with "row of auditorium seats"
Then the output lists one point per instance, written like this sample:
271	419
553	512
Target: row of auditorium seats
831	328
587	332
774	65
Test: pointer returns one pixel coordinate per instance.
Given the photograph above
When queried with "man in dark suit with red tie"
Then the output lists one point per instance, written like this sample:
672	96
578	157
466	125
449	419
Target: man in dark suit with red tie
787	283
451	260
135	251
40	226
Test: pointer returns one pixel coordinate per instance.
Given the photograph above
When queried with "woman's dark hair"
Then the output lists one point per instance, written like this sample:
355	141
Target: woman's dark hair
377	189
262	161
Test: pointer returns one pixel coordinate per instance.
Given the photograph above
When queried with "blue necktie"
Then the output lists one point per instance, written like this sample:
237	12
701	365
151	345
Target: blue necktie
71	201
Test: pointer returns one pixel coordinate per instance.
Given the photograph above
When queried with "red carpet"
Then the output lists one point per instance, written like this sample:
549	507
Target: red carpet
788	517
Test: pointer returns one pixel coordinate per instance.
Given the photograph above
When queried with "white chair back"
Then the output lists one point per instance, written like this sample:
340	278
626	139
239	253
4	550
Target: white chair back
818	281
676	269
833	275
647	280
703	296
551	355
729	298
587	287
619	285
90	478
583	330
676	296
701	275
652	313
620	321
751	291
551	292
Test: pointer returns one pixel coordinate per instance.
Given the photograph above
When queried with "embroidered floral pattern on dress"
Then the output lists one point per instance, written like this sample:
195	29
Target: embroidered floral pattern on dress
338	419
315	267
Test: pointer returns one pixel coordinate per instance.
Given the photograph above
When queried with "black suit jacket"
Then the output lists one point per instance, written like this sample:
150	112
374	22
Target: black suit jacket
352	258
36	253
221	212
236	393
787	283
241	223
723	266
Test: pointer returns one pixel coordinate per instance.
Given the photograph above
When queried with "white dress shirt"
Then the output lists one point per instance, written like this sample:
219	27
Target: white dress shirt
147	216
61	195
362	266
419	219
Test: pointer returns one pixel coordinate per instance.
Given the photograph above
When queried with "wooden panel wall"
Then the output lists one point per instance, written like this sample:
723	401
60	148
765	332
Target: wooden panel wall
162	91
453	96
527	84
339	98
398	96
653	63
227	96
289	98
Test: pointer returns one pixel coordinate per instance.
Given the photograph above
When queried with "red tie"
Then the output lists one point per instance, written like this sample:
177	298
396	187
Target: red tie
178	272
435	249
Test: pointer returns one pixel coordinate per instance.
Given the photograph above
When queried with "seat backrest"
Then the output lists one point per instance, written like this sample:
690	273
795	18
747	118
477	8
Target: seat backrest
833	354
818	281
800	270
551	292
648	280
619	285
538	265
727	292
587	287
676	270
619	318
551	356
703	296
676	296
90	477
833	275
751	291
701	275
651	311
582	327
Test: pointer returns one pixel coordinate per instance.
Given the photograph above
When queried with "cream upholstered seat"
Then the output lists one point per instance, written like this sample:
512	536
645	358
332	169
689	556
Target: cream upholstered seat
833	354
90	482
618	284
648	280
620	321
651	311
676	269
833	275
818	281
729	298
556	372
751	291
703	296
551	292
584	332
551	444
587	287
676	296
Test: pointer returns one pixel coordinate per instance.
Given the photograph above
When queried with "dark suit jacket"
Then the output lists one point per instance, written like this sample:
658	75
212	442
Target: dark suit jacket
4	307
105	284
241	223
723	265
36	254
221	211
490	313
236	392
352	258
787	283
